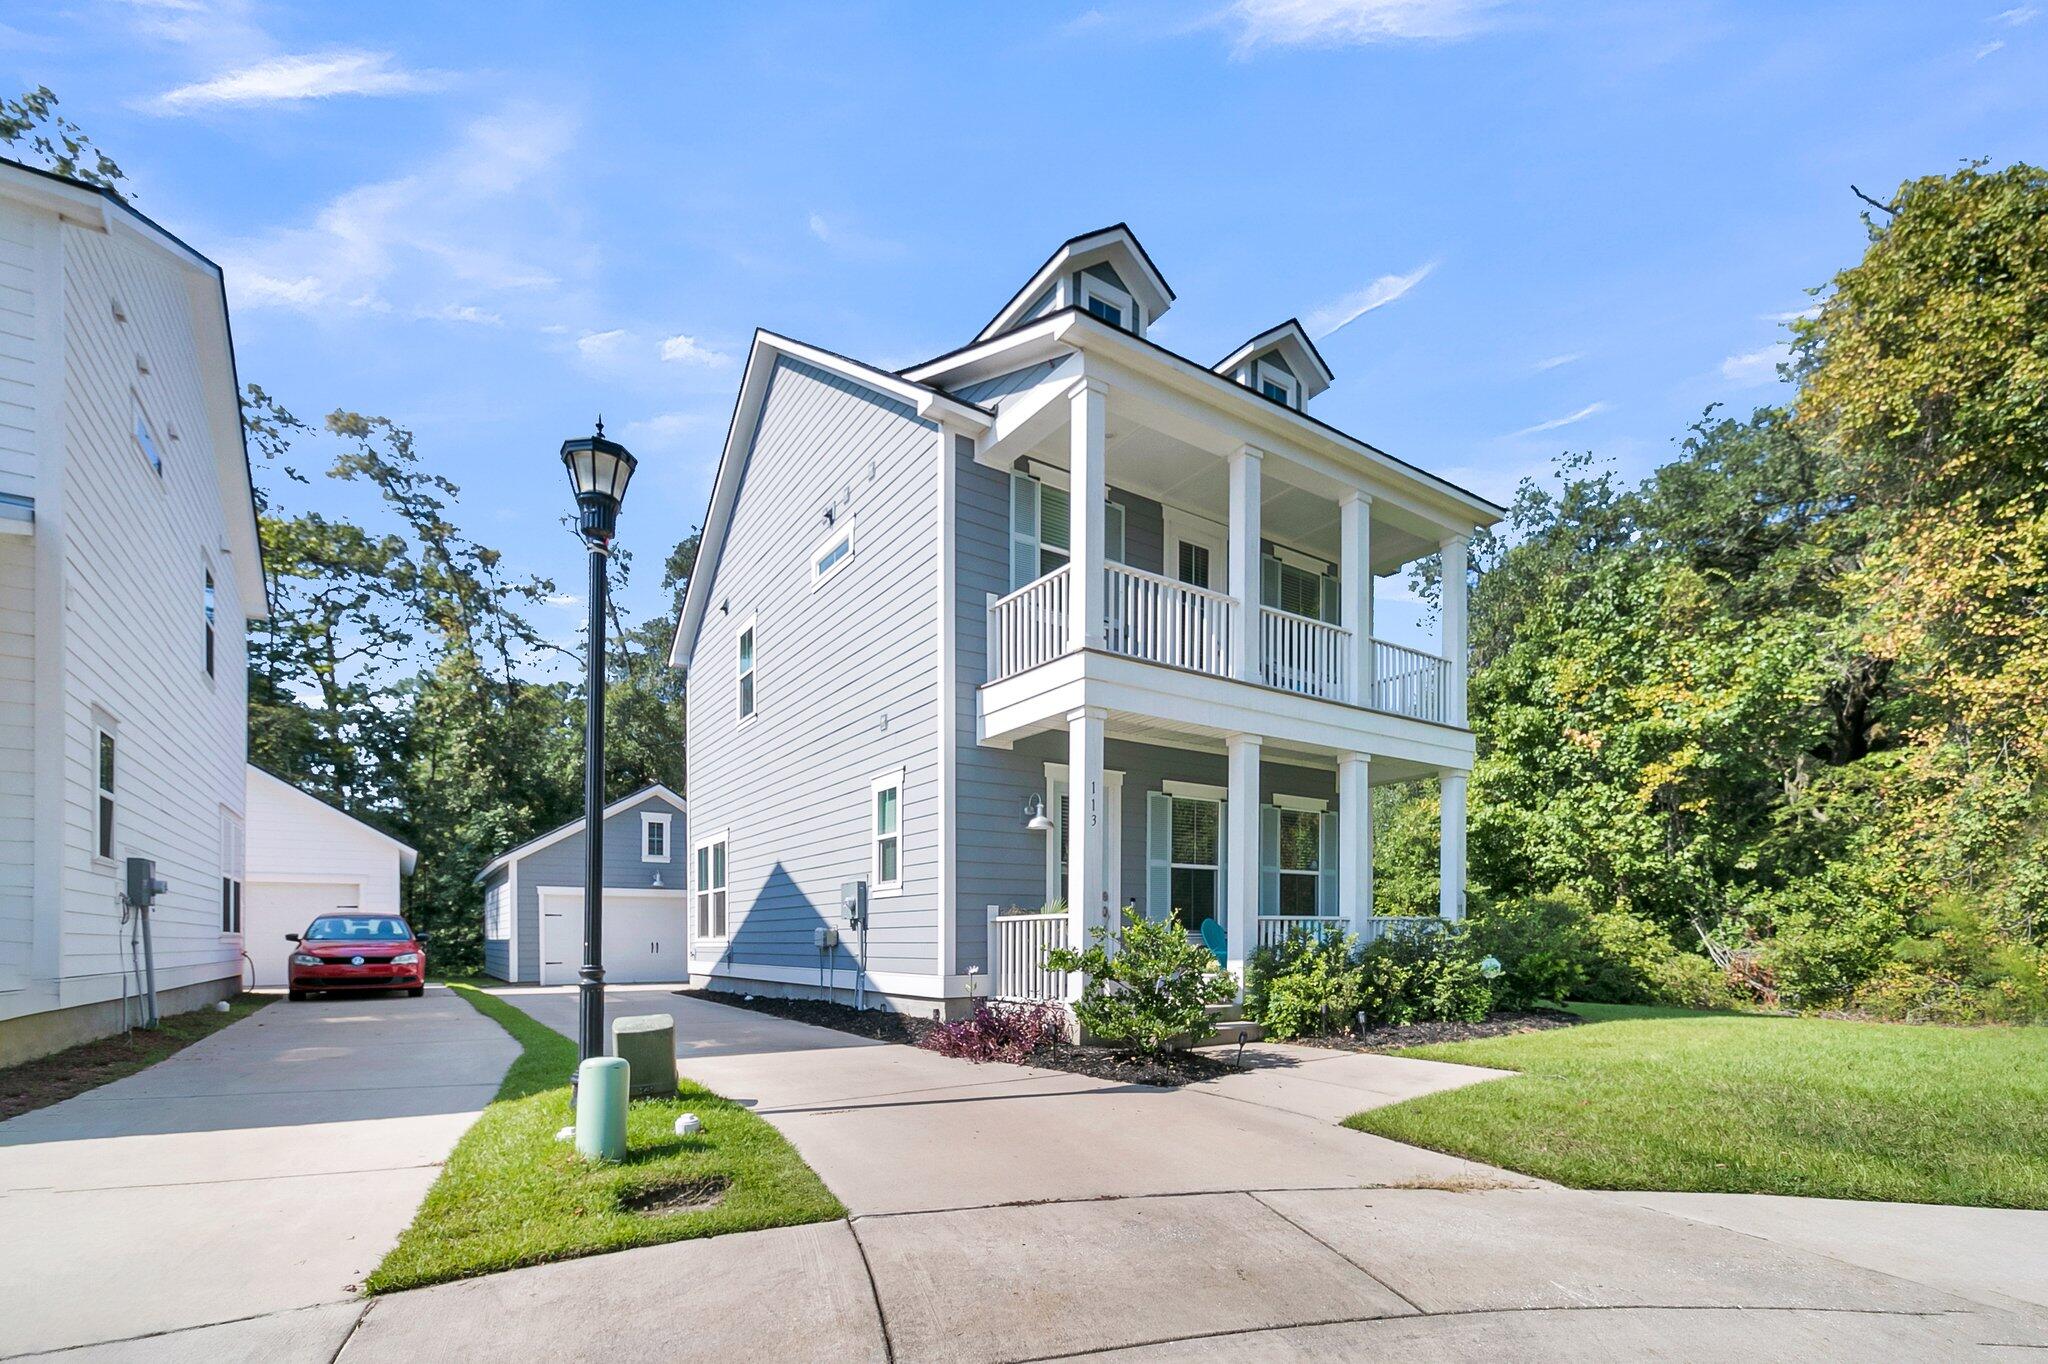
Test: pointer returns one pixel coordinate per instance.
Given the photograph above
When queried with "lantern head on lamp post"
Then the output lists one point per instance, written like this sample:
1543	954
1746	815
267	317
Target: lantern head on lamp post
599	470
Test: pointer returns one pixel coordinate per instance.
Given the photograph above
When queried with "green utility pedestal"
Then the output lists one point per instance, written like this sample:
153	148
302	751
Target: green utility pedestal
601	1108
648	1044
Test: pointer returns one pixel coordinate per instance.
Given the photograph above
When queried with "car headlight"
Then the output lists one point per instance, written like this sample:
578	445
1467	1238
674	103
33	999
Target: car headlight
304	959
406	959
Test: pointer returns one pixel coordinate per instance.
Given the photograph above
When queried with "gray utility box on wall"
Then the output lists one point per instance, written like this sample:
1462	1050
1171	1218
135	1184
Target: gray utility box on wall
647	1044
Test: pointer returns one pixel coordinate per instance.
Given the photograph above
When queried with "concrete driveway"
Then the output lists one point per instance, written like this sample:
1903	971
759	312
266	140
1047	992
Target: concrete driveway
264	1169
1005	1213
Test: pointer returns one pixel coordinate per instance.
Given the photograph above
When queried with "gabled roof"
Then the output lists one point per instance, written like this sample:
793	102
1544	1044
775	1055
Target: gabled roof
408	856
575	826
930	403
1117	245
1291	339
100	208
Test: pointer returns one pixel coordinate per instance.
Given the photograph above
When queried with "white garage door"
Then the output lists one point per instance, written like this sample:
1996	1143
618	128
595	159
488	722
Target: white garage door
643	937
271	909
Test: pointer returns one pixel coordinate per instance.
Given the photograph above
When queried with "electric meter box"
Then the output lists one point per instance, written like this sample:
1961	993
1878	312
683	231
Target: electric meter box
143	885
853	903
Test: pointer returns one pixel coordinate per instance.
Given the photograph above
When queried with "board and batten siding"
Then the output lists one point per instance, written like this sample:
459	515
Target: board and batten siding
136	547
561	864
845	683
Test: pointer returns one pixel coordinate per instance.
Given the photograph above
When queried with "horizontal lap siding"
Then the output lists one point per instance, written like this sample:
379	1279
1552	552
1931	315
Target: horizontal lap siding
561	864
23	394
136	548
498	951
845	683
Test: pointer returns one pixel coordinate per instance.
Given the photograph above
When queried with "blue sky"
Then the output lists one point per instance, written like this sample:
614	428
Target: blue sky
1568	226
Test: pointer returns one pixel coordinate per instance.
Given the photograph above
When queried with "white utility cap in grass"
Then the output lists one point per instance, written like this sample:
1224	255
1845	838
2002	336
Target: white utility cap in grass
567	1133
689	1125
220	1006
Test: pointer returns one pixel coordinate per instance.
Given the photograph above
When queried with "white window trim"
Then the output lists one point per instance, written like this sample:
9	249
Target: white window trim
876	885
143	436
1263	371
1194	790
1103	290
667	822
696	889
209	612
497	905
754	671
844	531
1294	805
103	728
234	870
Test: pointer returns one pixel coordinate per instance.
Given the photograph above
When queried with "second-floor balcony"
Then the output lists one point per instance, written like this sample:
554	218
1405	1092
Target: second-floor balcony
1156	619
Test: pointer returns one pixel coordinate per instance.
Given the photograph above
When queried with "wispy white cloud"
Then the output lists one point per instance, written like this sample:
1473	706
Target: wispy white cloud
851	242
1350	23
1796	315
462	312
1335	316
688	350
1754	368
566	601
601	343
1558	361
280	80
1569	419
2017	15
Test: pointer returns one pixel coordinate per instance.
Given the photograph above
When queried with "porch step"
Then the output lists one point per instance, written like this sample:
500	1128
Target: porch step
1229	1034
1223	1013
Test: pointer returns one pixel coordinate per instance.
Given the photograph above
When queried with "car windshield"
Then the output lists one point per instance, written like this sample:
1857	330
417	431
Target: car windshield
343	929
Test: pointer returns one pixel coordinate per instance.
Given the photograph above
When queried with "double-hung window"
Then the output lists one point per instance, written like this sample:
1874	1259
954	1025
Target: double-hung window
1041	529
1303	591
710	892
885	806
654	830
104	833
231	855
746	670
1197	860
1300	861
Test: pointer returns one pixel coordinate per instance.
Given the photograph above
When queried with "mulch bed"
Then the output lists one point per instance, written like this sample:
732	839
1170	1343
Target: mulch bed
1101	1063
1393	1037
66	1074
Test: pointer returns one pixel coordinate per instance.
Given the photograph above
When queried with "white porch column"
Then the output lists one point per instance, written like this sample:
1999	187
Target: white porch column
1241	844
1451	863
1089	473
1354	841
1087	834
1354	568
1456	632
1245	468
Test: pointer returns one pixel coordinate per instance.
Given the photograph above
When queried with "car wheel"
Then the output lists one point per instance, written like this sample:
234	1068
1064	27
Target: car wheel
416	991
295	995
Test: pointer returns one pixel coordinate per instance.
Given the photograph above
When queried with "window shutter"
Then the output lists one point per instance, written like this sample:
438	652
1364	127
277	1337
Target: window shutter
1269	859
1023	530
1327	869
1054	517
1158	855
1269	580
1223	864
1113	533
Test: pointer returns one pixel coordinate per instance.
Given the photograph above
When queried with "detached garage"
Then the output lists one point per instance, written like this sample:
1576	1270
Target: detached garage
533	898
306	858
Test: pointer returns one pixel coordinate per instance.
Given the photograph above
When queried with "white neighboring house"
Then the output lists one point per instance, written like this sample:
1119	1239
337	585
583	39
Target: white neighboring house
307	858
129	562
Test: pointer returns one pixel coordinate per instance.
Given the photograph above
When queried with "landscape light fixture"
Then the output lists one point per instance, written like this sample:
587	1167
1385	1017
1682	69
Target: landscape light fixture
599	470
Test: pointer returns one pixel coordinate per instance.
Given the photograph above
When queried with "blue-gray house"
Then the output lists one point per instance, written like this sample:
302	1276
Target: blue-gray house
533	898
1058	621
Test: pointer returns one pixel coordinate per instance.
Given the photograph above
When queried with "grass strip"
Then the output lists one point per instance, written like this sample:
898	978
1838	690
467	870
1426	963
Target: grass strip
511	1195
68	1073
1731	1103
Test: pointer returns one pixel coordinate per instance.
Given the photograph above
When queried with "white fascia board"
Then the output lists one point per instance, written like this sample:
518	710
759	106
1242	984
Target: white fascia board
575	826
1289	338
929	403
1013	350
1078	253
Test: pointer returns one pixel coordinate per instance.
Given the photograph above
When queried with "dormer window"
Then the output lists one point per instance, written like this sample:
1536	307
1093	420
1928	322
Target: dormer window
1101	299
1276	383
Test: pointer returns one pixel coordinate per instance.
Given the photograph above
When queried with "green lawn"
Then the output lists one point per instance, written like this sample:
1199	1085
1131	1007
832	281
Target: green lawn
1732	1103
512	1195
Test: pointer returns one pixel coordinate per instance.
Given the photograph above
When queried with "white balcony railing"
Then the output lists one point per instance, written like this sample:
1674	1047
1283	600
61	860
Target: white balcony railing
1276	929
1017	944
1160	620
1409	682
1028	627
1299	653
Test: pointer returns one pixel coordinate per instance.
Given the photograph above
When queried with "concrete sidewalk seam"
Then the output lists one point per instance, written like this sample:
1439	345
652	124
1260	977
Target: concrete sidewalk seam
179	1331
241	1179
94	1098
1334	1251
874	1293
353	1327
1094	1351
1137	1197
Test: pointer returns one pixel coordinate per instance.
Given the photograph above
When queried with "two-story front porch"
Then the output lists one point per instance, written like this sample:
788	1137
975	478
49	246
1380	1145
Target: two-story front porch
1189	631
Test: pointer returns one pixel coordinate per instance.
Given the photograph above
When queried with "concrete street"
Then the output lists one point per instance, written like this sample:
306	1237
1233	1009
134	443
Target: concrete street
266	1168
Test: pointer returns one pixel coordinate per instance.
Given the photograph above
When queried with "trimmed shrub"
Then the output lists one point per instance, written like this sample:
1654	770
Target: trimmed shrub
1304	986
1543	944
1422	977
1146	985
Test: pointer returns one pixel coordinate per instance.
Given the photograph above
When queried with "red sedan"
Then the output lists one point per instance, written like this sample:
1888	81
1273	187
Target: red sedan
357	952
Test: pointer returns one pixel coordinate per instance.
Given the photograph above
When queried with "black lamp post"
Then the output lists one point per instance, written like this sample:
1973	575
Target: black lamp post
599	470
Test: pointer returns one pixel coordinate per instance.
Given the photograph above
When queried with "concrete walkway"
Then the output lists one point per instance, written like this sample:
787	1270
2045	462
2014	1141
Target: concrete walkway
1005	1213
264	1170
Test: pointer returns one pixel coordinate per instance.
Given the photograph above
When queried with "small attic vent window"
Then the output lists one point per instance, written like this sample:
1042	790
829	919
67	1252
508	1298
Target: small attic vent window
1101	299
1275	383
